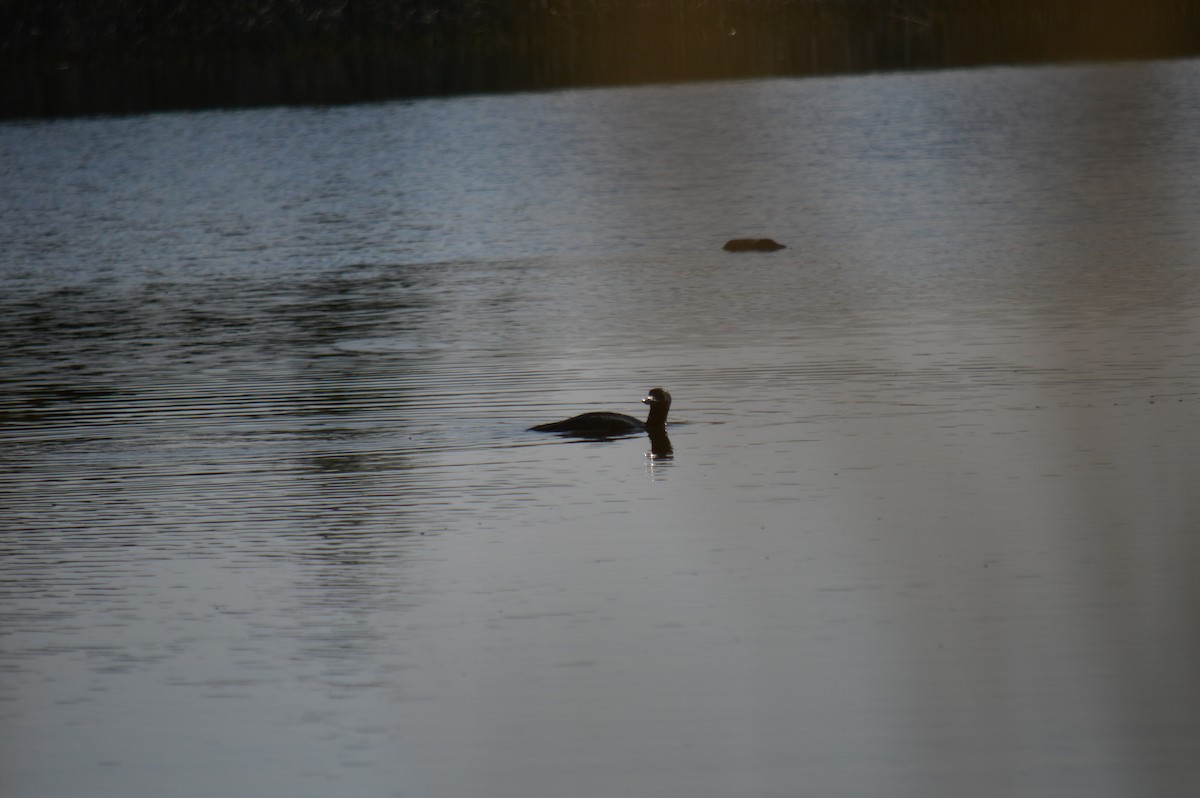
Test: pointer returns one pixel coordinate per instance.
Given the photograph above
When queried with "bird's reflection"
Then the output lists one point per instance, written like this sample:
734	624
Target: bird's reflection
660	445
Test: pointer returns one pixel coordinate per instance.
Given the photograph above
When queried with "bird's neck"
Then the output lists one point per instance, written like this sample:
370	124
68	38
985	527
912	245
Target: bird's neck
658	416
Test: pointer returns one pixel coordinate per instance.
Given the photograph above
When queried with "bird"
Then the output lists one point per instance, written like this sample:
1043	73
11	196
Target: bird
605	424
753	245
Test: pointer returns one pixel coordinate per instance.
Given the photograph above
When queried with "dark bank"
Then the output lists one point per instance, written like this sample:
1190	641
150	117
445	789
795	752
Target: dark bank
75	57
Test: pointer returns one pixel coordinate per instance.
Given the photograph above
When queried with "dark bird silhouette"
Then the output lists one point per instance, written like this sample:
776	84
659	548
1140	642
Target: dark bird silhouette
605	424
752	245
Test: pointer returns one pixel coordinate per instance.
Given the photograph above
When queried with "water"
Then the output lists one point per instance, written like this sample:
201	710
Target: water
273	525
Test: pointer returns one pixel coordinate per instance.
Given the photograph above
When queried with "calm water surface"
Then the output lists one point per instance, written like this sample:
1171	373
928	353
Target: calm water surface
272	524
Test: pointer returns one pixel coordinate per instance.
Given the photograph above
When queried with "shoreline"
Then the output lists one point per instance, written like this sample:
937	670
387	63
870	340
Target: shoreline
79	61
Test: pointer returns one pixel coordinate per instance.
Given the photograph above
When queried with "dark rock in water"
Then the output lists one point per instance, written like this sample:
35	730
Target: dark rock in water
752	245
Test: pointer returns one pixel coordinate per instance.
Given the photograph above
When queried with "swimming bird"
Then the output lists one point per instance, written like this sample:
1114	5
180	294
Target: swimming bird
606	423
753	245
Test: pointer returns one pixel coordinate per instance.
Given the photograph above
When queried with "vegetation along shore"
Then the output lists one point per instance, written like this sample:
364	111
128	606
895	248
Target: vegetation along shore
110	56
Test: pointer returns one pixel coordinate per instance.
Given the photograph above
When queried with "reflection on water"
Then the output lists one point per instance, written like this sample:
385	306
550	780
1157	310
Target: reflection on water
926	515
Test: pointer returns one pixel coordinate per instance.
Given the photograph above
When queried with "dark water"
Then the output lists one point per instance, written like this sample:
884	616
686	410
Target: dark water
272	524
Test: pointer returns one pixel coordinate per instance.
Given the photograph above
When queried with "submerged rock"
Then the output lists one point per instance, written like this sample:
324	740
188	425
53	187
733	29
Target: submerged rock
752	245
